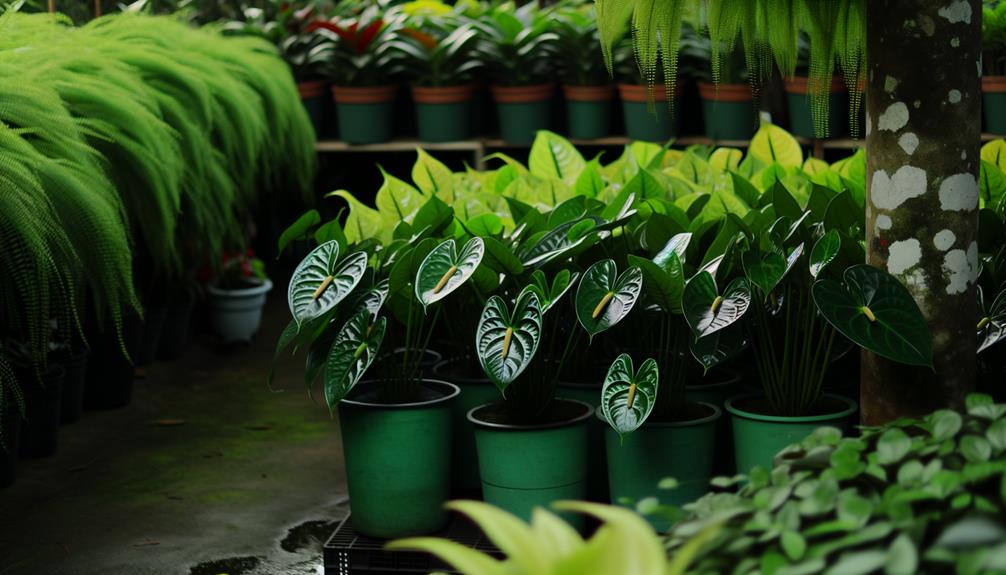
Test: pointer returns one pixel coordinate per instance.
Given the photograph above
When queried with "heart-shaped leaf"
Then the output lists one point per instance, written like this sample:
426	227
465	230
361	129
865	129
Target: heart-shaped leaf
445	270
604	298
320	282
506	342
706	310
992	323
662	284
719	347
876	312
824	252
352	352
627	397
764	269
372	300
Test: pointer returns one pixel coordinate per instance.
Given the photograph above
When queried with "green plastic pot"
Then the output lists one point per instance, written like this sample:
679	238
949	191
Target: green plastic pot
645	119
398	460
994	103
443	113
364	114
528	466
597	461
728	111
522	111
716	388
312	95
801	114
588	111
475	391
682	450
759	436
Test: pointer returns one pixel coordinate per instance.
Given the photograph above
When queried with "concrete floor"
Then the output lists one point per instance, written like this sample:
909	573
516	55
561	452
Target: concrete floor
246	482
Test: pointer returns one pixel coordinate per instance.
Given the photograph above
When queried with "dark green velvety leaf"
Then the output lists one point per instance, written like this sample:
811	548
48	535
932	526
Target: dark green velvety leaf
824	252
896	331
501	258
764	269
353	351
627	397
320	282
706	310
718	347
662	285
820	197
445	269
506	342
332	231
604	298
299	229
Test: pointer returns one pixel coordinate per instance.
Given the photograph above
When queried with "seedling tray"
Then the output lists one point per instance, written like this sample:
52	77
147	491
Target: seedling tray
347	552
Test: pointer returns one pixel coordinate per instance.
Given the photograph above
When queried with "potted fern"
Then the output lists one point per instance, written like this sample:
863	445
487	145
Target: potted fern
585	82
647	113
727	97
803	96
994	66
517	46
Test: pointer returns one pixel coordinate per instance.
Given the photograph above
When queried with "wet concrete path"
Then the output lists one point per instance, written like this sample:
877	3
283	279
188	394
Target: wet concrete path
244	481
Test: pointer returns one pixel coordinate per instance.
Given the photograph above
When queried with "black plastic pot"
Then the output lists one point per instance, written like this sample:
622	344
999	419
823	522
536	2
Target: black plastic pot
153	325
42	395
110	373
75	367
175	332
11	446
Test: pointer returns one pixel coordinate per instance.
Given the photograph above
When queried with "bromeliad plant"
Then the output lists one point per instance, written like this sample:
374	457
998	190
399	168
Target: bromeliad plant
363	52
438	50
518	45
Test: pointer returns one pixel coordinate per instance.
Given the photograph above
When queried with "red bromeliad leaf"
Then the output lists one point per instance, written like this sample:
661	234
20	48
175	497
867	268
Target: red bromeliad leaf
428	41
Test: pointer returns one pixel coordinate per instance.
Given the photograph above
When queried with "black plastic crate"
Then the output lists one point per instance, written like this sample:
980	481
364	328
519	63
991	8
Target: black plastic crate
347	552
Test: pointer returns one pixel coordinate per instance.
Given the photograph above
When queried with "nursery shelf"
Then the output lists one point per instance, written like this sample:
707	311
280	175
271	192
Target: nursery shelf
347	552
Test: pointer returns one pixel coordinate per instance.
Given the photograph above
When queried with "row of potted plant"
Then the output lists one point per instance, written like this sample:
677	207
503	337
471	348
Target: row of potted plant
133	150
453	57
565	293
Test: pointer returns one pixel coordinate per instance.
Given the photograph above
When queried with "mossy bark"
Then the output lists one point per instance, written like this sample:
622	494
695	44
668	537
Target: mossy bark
923	143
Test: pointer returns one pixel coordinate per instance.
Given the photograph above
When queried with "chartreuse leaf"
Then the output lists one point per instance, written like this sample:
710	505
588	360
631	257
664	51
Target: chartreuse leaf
397	201
352	352
431	176
589	183
772	144
604	298
725	159
874	310
445	269
992	323
320	281
554	158
506	343
626	543
824	252
363	222
627	397
299	229
555	534
706	310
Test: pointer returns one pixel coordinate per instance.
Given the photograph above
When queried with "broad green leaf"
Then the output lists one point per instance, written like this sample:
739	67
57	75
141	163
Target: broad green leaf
554	158
397	201
725	159
824	252
506	342
501	258
994	152
299	229
434	215
572	209
992	321
556	244
372	300
557	535
352	352
363	222
944	424
401	297
893	445
508	533
874	310
662	284
859	563
445	269
604	298
820	197
745	190
991	185
718	347
975	449
772	144
431	176
902	557
332	231
320	281
589	183
764	269
627	546
628	397
706	310
485	226
461	557
793	544
677	245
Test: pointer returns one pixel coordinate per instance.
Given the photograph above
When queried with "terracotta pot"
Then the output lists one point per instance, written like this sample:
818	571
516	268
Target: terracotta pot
310	90
588	93
801	85
521	94
993	84
364	95
640	93
725	92
442	94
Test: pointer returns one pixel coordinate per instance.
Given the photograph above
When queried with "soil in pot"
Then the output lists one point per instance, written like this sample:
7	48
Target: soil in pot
443	114
476	390
682	448
728	111
110	372
398	458
801	112
759	435
365	114
646	119
588	111
74	364
176	330
42	395
523	466
522	111
11	444
994	104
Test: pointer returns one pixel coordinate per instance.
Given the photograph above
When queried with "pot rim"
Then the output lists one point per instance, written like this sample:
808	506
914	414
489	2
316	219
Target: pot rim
438	371
443	94
311	89
715	415
596	93
266	287
851	407
531	93
454	392
588	412
725	92
801	85
640	93
994	84
364	94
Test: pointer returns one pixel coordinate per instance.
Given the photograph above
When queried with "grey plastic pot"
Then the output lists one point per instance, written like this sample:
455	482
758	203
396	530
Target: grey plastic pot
237	314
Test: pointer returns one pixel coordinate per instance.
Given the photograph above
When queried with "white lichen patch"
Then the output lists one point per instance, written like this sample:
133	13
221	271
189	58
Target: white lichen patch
961	268
917	104
869	124
894	118
904	255
915	281
959	192
890	84
964	154
890	192
956	12
883	222
909	142
954	96
944	240
955	42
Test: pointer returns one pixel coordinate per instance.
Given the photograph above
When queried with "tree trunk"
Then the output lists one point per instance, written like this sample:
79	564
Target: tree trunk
923	106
